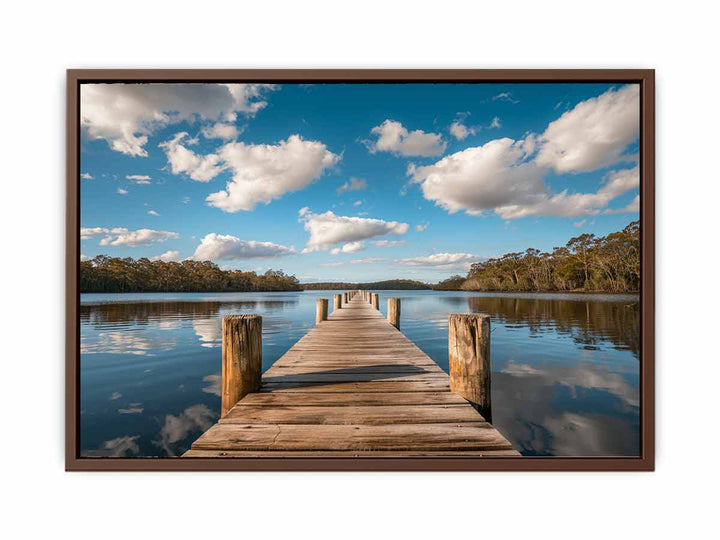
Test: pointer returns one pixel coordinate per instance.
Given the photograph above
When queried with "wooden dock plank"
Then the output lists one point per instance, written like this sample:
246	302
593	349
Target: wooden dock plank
357	414
465	436
193	453
353	386
351	399
437	385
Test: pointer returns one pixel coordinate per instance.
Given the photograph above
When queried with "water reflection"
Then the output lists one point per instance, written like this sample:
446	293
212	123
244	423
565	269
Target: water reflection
565	369
589	322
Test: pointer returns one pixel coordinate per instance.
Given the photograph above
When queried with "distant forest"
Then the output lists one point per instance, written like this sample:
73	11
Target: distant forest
389	285
116	275
603	264
586	263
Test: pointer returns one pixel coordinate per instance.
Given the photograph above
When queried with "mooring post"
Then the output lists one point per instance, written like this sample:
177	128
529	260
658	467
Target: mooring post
321	311
376	301
393	312
337	301
241	358
469	356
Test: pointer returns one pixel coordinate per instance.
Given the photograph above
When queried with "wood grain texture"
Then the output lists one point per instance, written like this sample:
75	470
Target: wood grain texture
321	310
393	312
353	386
241	358
469	357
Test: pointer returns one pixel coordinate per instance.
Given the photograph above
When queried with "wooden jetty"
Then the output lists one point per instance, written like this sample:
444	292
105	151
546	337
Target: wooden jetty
354	386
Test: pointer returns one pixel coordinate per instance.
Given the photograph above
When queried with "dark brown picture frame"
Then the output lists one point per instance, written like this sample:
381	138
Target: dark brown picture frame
645	462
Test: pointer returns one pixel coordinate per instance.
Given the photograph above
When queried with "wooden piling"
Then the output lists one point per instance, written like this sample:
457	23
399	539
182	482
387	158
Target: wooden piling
393	312
337	301
376	301
469	356
241	358
321	312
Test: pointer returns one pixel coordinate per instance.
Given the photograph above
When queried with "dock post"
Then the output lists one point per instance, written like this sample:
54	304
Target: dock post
321	311
393	312
376	301
337	301
469	358
241	358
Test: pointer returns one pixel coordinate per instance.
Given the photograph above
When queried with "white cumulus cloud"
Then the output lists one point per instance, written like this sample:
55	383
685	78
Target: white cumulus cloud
263	172
441	261
350	247
183	160
632	208
87	176
220	131
224	247
393	137
481	178
594	134
355	184
566	204
328	230
120	236
460	131
125	115
501	176
168	256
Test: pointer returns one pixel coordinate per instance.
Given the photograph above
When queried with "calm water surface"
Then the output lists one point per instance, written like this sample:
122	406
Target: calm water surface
565	370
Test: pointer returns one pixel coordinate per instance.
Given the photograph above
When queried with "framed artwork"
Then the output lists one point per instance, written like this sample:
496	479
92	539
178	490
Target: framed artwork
360	270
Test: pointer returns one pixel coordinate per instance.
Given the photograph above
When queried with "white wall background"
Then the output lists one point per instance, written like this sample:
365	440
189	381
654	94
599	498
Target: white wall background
40	40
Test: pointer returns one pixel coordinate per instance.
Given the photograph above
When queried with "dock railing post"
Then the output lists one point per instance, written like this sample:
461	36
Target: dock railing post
321	311
393	312
241	358
469	358
376	301
337	301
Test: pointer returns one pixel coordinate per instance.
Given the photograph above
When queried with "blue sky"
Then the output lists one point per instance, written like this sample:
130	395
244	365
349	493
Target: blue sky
435	176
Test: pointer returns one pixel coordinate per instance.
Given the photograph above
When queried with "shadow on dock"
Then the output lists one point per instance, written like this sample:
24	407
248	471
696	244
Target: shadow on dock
376	372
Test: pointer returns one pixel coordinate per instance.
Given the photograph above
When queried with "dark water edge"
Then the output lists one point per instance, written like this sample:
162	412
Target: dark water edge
565	370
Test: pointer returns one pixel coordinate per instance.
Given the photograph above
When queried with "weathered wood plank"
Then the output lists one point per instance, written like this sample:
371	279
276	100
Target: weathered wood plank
340	376
347	454
369	386
352	399
464	436
379	414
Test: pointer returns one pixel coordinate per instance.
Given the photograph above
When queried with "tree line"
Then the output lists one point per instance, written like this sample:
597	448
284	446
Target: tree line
105	274
387	285
607	263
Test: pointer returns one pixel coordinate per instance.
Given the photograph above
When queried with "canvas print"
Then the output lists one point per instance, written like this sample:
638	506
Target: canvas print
359	270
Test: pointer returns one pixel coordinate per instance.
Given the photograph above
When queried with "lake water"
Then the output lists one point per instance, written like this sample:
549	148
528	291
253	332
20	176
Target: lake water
565	367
